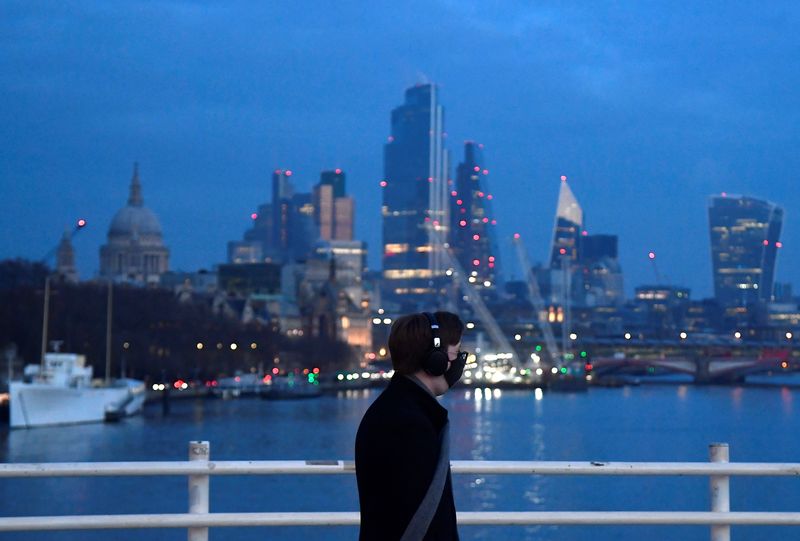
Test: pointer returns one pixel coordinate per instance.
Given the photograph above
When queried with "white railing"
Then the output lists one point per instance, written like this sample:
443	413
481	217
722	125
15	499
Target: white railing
199	468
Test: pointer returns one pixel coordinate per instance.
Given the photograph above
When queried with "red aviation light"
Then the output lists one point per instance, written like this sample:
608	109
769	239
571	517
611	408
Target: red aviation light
489	197
476	237
459	202
338	171
585	233
491	259
430	179
765	242
491	265
390	138
384	184
480	194
454	193
81	223
485	171
436	223
275	370
476	168
563	178
486	220
516	236
463	210
779	244
494	222
476	262
562	251
254	216
288	173
427	219
463	223
279	171
651	255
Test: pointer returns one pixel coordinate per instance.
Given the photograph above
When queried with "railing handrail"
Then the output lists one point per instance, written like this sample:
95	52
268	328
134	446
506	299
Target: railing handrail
311	467
200	468
351	518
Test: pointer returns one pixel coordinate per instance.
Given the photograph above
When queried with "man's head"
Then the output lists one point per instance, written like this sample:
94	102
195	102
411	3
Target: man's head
411	341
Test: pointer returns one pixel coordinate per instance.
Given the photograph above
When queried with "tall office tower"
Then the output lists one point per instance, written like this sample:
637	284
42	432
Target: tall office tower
602	274
567	228
471	220
745	235
415	198
282	192
333	210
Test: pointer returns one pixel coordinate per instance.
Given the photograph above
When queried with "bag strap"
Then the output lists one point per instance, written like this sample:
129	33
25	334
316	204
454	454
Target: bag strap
418	526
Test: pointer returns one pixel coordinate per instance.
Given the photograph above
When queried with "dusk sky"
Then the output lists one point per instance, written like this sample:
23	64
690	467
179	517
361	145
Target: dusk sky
648	108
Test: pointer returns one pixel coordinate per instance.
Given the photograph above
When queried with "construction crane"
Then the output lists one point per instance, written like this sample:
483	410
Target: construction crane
473	297
652	256
535	298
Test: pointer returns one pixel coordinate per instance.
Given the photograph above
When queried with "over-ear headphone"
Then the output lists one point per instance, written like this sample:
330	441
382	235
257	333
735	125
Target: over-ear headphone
435	363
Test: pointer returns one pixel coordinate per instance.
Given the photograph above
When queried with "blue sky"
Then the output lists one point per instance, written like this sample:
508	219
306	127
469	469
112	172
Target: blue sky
647	107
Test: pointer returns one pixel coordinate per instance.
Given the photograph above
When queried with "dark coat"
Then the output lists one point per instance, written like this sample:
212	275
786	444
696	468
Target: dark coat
397	449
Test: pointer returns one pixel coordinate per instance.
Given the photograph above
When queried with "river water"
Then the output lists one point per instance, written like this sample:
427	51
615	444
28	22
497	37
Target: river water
640	423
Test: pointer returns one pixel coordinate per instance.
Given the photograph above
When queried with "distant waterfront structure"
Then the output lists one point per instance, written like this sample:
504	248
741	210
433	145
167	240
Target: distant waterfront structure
135	250
472	222
414	205
745	238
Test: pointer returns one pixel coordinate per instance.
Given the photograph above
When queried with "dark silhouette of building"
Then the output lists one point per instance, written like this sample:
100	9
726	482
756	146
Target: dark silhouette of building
745	238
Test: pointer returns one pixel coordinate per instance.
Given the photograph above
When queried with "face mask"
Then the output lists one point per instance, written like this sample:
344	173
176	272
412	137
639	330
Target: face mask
453	373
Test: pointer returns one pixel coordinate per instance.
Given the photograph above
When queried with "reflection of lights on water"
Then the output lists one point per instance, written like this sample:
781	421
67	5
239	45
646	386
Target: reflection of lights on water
683	391
497	393
478	394
538	394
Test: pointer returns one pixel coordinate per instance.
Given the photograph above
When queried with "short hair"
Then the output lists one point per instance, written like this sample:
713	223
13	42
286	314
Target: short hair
411	339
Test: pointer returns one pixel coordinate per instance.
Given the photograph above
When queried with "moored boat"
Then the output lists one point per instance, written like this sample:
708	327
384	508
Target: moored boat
64	393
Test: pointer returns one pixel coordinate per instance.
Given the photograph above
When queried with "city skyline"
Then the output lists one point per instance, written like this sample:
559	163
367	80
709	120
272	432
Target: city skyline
630	121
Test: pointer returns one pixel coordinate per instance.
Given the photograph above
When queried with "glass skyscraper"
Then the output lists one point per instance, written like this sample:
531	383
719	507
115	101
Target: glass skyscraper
745	237
415	198
471	219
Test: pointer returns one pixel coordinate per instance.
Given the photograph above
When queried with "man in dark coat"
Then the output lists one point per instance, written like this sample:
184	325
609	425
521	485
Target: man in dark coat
400	437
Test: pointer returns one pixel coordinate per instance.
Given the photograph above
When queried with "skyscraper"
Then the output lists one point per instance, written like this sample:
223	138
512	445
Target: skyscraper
745	237
333	209
567	228
471	220
414	197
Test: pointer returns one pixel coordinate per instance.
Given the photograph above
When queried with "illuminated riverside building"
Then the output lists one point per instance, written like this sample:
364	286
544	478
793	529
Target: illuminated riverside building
745	238
472	222
414	205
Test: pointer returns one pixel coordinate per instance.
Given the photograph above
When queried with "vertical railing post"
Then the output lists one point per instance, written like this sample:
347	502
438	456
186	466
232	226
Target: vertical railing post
198	488
720	491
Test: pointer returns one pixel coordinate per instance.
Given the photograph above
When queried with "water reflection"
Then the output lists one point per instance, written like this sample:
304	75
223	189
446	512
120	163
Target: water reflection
786	400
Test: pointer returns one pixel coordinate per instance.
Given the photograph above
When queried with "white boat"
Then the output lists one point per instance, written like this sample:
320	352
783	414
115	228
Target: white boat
64	393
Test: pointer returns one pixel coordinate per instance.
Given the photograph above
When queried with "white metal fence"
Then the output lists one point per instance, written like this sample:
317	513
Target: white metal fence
199	468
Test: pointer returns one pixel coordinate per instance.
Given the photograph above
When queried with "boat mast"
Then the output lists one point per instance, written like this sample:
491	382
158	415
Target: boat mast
45	318
108	331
